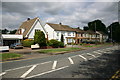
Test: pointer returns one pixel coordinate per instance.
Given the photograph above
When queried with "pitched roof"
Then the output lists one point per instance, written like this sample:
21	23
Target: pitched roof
27	26
90	32
79	30
102	33
60	27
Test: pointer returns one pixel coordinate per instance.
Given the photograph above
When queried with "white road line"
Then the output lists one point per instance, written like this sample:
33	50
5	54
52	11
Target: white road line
2	73
54	64
74	56
90	58
46	62
83	57
97	52
47	72
28	66
71	61
27	72
91	54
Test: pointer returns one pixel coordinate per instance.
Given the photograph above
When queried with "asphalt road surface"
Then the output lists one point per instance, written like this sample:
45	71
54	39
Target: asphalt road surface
95	63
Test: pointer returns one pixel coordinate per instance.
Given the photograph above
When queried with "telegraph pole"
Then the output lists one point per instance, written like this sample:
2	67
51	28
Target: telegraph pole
95	35
111	33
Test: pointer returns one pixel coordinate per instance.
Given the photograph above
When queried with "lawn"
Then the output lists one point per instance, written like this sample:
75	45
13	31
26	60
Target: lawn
92	45
59	50
8	56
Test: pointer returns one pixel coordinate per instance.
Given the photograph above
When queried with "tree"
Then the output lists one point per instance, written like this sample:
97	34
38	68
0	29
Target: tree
39	38
5	31
86	28
99	26
62	38
13	31
114	33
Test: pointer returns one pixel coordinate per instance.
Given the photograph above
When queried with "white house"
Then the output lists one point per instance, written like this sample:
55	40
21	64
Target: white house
55	31
28	28
103	37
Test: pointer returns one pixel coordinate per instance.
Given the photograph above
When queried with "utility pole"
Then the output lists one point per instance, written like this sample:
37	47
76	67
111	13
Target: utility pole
111	33
95	35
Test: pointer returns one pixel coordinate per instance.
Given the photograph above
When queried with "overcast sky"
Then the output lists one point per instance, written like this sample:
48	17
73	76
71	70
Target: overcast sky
74	14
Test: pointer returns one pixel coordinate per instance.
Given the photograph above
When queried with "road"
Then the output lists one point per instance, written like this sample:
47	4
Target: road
70	65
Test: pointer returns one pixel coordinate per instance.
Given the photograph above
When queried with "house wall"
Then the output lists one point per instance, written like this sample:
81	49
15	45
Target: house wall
38	27
50	31
52	34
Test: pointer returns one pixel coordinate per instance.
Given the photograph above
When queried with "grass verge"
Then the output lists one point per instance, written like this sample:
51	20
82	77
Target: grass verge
9	56
59	50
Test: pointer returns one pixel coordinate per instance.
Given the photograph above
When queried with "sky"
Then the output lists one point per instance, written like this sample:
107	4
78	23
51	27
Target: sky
73	13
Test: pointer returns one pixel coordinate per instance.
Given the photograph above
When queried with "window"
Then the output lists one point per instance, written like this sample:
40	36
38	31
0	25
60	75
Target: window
69	34
37	30
57	33
73	34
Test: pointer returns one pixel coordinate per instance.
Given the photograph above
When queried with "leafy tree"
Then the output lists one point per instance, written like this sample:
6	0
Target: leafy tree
13	31
99	26
5	31
114	33
62	38
39	38
86	28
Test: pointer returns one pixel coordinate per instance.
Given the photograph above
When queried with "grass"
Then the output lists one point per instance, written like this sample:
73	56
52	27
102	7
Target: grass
8	56
92	45
58	50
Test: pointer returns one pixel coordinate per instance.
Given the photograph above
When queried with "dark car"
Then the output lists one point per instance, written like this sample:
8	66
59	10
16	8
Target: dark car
16	46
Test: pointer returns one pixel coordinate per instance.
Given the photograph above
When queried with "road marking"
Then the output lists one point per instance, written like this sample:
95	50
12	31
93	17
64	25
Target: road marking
74	56
27	72
100	51
28	66
91	54
47	72
2	73
97	52
71	61
54	64
46	62
83	57
90	58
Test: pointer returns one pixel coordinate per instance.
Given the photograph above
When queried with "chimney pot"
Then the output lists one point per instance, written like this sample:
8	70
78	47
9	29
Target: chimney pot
28	18
60	23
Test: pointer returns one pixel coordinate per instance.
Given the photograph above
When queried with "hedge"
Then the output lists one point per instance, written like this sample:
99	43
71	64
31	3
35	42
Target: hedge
28	42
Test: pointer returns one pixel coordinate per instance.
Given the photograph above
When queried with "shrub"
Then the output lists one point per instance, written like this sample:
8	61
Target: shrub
54	43
61	44
28	42
39	38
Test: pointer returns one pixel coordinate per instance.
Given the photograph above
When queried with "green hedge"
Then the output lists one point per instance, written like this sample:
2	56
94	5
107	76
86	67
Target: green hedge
54	43
28	43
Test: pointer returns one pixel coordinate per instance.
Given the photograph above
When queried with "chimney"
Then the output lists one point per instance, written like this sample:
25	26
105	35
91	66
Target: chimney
28	19
60	23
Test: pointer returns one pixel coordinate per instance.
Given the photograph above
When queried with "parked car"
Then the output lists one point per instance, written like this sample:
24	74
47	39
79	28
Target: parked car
16	46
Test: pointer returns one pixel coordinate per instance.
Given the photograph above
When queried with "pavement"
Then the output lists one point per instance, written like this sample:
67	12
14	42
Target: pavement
78	64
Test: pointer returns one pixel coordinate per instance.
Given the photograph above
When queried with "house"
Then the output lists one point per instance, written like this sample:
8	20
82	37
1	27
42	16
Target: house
91	36
79	35
103	37
28	28
55	31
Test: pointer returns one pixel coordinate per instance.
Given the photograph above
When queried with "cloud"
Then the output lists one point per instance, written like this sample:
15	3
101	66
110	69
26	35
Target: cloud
70	13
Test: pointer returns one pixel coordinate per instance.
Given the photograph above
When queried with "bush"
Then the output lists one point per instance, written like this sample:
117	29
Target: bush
61	44
39	38
54	43
28	42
